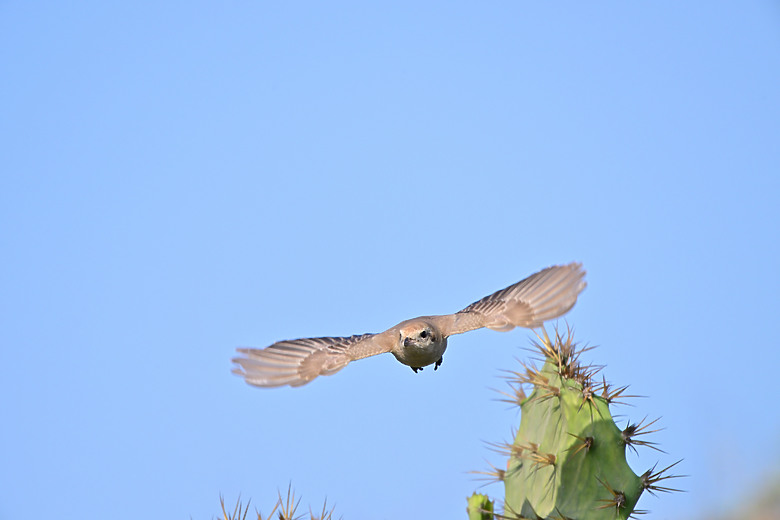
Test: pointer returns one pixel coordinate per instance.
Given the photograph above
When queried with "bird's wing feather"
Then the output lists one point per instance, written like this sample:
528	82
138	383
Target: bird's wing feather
298	361
542	296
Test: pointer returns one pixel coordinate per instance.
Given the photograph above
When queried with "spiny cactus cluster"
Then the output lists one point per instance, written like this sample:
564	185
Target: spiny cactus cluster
568	459
284	508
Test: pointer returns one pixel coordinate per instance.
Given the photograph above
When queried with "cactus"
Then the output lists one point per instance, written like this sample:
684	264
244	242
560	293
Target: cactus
568	459
480	507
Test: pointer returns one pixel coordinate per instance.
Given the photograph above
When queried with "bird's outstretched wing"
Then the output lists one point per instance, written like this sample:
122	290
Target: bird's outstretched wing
298	361
542	296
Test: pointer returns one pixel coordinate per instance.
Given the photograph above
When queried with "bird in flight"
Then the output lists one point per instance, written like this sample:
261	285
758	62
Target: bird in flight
418	342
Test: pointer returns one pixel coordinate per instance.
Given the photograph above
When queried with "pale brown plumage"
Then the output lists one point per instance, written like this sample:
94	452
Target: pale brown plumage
418	342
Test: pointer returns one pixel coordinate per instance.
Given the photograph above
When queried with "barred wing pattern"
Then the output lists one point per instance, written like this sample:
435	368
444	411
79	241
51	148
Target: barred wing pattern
542	296
298	361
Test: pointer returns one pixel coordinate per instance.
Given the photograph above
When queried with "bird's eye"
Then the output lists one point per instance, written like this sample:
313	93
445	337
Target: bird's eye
424	334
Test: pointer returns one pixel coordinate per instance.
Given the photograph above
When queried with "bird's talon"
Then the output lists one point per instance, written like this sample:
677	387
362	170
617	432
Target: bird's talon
416	369
438	363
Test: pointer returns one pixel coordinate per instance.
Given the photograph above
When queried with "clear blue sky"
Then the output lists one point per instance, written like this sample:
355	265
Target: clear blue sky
182	178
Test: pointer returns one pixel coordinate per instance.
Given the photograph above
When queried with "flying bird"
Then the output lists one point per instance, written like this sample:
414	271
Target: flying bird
418	342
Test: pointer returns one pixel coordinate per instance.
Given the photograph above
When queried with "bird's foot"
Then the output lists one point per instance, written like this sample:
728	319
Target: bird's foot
438	363
416	369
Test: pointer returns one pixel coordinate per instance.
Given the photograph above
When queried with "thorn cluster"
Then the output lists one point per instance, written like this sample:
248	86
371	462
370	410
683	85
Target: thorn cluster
632	431
651	478
285	509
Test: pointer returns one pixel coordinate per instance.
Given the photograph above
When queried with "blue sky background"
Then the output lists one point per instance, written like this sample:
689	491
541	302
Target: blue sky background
183	178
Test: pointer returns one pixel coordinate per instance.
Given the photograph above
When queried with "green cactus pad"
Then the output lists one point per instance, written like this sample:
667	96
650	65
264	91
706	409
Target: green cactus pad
480	507
568	457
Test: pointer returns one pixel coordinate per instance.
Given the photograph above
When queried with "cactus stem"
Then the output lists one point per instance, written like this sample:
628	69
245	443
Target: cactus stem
515	515
567	462
561	516
479	507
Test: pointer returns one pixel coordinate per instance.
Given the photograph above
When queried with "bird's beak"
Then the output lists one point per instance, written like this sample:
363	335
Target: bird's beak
408	341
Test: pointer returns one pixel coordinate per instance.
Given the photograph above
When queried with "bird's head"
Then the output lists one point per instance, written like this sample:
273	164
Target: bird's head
419	334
